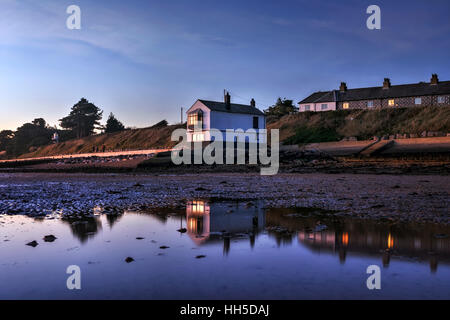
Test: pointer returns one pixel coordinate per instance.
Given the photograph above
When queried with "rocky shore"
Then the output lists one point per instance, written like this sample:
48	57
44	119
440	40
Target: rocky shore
394	198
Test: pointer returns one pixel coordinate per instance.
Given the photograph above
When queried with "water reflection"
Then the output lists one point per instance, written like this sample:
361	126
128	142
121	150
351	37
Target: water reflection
245	249
362	237
83	229
212	223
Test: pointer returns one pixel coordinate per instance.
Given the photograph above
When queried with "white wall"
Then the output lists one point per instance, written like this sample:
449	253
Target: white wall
225	120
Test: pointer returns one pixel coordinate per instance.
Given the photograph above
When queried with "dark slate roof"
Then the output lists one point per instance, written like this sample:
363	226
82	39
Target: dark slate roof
398	91
234	108
328	96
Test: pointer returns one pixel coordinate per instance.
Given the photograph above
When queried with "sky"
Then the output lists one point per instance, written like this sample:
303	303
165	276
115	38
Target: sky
144	60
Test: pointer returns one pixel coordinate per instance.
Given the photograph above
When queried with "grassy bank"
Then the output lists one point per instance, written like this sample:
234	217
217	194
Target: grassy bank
136	139
310	127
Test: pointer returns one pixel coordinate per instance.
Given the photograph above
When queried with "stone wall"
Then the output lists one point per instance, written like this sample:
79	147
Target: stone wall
398	102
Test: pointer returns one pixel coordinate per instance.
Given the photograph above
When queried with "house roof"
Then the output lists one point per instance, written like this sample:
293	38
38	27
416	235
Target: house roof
398	91
234	108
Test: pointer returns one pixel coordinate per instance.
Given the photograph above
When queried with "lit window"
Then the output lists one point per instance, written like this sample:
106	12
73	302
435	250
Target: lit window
324	106
198	207
418	100
391	102
195	119
441	99
346	105
307	108
198	137
370	104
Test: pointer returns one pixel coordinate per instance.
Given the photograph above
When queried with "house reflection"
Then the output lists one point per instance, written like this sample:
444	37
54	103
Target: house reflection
367	239
209	222
341	236
198	221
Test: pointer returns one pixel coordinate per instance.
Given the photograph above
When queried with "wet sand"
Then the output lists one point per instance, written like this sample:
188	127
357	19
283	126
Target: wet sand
383	197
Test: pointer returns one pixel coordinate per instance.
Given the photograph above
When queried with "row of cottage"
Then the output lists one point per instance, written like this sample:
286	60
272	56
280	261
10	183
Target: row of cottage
205	115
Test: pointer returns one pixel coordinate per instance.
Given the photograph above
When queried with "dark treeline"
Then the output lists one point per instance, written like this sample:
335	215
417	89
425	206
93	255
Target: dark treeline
82	121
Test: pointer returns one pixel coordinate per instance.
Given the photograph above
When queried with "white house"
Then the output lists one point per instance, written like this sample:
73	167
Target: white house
205	116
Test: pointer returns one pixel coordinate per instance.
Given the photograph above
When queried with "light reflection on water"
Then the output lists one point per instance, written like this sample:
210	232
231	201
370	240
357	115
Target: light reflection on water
249	253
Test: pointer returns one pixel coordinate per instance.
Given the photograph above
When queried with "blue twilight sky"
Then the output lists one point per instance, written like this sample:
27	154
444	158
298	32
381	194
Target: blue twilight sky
143	60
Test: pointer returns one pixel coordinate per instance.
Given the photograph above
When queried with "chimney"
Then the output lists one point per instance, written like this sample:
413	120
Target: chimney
253	103
227	99
343	87
434	79
386	83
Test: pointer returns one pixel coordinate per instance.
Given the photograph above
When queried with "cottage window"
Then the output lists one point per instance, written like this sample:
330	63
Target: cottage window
391	102
307	108
370	104
255	123
346	105
441	99
418	100
195	119
324	106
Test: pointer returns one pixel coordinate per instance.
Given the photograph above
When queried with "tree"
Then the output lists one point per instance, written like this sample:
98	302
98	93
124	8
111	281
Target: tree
83	119
6	137
113	125
39	122
282	107
28	136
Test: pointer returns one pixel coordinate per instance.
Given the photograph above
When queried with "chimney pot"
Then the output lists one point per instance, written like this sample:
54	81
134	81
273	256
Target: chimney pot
434	79
386	83
343	87
227	100
253	103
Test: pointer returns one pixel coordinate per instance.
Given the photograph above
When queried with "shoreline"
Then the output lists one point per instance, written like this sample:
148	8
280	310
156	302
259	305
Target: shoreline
393	198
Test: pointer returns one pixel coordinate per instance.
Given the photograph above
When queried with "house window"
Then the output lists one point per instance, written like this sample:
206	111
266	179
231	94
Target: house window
324	106
255	123
192	119
441	99
418	100
195	119
346	105
391	102
370	104
307	108
198	137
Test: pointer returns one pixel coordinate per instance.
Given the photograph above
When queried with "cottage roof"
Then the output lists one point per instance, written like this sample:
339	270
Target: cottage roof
234	108
373	93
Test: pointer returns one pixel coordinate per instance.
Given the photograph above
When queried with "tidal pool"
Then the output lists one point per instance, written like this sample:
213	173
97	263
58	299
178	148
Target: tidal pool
228	250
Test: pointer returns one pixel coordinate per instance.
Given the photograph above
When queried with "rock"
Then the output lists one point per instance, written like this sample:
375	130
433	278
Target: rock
139	238
182	230
50	238
32	243
164	247
129	260
200	256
